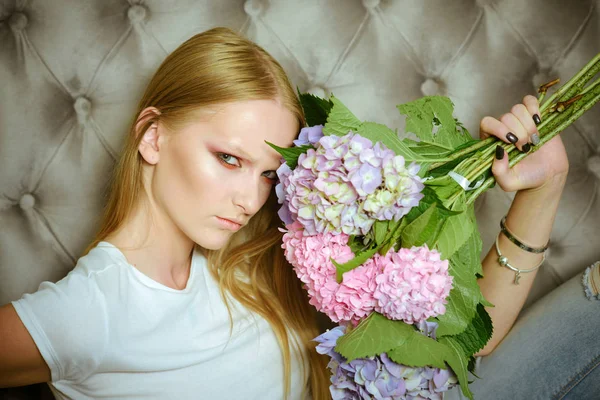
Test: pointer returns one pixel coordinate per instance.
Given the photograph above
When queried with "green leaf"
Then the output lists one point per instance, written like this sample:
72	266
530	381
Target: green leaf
381	133
380	230
460	308
429	198
449	166
431	119
291	154
459	364
456	231
444	187
462	129
463	255
315	108
395	231
374	335
477	334
356	244
471	366
469	256
426	148
357	261
424	229
423	171
340	119
419	350
485	303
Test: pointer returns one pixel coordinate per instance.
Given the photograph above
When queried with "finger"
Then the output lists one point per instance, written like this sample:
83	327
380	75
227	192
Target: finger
490	126
504	175
523	115
533	106
517	130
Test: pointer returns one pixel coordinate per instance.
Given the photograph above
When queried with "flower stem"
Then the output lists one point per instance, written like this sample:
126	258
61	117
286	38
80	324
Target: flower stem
575	82
476	146
590	97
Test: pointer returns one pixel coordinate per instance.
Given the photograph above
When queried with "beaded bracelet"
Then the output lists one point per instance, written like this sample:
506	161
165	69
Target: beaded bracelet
504	262
516	241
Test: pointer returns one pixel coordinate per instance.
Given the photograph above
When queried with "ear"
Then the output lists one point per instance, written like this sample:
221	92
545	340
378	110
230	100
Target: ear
147	127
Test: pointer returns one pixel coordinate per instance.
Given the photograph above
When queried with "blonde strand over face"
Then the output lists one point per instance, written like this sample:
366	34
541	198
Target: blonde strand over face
211	68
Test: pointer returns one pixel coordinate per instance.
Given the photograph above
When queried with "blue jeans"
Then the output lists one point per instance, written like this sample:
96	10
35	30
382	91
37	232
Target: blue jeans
552	352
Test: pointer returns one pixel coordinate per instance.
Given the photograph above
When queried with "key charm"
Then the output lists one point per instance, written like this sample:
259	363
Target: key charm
517	277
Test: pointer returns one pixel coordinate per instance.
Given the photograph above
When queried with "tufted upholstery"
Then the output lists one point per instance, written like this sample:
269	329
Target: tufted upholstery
72	72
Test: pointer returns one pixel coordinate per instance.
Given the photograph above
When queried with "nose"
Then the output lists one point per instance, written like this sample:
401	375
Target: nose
248	196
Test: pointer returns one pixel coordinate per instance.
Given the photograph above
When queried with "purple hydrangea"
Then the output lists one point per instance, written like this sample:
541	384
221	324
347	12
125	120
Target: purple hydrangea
283	172
346	183
401	188
309	135
379	377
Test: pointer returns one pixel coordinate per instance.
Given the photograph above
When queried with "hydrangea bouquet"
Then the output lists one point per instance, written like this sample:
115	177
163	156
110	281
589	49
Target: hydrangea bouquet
382	233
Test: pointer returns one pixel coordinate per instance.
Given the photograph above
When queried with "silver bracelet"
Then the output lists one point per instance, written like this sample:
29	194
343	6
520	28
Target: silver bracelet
516	241
502	260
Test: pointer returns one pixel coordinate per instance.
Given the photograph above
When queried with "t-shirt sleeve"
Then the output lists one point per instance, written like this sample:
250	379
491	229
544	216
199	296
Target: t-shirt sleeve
68	322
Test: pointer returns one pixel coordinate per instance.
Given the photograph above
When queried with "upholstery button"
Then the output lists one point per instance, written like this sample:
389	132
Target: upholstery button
27	201
370	4
318	91
253	7
430	87
82	107
593	165
137	13
18	21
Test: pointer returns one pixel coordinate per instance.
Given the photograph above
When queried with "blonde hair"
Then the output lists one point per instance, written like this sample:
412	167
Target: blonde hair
219	66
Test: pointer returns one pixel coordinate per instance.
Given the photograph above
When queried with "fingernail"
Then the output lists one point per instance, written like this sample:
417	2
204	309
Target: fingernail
512	138
526	147
535	139
499	153
536	119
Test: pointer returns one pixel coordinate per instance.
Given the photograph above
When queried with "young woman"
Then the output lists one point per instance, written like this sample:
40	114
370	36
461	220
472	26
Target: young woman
185	293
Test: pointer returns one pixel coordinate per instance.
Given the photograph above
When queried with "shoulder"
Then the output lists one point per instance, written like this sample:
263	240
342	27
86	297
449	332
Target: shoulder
86	284
101	259
69	320
101	265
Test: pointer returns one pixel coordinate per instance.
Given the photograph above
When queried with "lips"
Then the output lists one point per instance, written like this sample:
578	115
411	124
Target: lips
231	224
234	220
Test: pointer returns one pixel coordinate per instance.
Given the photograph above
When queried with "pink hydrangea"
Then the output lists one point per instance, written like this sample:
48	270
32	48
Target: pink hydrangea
349	301
311	258
353	300
412	284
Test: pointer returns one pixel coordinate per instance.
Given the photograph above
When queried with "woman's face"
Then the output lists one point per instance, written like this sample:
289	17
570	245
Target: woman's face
216	172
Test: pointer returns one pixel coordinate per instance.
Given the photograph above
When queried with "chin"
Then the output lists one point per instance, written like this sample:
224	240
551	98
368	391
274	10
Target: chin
217	241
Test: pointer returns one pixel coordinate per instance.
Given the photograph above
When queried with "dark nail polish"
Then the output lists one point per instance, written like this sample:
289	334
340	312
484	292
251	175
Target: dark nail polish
536	119
499	153
526	147
512	138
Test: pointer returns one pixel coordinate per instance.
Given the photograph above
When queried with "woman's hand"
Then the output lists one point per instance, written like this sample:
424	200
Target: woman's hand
547	166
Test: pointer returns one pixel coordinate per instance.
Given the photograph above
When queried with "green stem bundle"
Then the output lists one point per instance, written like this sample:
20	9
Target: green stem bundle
558	112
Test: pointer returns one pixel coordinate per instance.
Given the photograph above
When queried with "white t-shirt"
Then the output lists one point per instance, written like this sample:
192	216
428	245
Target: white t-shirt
108	331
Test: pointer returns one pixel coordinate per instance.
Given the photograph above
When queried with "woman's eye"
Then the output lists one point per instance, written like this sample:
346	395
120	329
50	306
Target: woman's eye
229	159
271	175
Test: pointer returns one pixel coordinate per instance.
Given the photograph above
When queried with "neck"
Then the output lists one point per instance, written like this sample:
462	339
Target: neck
154	245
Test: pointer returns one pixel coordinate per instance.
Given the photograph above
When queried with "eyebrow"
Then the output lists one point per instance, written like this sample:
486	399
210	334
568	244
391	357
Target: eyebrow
237	149
245	155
